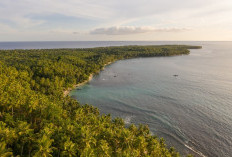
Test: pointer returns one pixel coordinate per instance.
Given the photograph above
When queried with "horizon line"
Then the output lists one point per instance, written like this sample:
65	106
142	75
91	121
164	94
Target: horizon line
121	41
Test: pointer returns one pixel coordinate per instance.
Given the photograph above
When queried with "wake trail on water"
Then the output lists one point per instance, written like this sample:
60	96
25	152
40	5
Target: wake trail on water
195	151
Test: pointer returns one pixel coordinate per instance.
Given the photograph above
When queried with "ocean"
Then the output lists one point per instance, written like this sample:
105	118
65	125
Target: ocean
79	44
192	111
185	99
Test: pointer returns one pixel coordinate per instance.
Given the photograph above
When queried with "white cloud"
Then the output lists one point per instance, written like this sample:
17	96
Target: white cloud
126	30
131	16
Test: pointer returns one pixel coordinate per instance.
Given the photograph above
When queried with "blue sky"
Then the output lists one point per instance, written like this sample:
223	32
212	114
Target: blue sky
38	20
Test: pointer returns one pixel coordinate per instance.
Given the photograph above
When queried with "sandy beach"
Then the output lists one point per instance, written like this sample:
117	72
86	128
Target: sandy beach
67	91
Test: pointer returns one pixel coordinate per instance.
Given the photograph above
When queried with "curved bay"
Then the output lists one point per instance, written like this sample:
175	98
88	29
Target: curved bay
192	111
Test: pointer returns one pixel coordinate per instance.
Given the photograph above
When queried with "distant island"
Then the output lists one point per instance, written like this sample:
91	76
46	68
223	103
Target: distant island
38	118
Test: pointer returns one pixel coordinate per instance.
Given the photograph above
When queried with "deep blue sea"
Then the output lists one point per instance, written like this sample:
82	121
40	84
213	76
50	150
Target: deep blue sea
192	111
79	44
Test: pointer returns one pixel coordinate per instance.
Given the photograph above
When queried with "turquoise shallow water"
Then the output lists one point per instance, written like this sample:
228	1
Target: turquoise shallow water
193	111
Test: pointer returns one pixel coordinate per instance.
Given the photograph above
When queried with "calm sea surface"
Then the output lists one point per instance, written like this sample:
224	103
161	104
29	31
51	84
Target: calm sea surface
80	44
193	111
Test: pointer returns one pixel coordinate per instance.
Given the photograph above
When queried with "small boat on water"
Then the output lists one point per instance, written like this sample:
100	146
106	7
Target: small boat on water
175	75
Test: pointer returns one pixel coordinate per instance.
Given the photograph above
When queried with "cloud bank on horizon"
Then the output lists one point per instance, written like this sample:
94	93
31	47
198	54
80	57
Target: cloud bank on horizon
34	20
125	30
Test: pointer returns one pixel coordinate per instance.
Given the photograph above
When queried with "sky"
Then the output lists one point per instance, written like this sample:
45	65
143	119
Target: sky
113	20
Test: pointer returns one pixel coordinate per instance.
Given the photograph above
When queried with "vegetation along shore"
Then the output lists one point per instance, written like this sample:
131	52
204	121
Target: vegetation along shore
67	91
37	118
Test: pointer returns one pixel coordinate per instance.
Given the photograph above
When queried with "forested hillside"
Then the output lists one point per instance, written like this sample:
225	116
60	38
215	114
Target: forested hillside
37	120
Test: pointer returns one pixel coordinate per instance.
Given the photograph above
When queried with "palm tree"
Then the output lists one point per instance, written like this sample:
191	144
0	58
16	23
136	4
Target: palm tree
103	149
70	149
45	146
5	152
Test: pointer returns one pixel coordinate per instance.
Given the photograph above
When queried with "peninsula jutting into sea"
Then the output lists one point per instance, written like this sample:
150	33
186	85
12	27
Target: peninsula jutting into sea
38	120
116	78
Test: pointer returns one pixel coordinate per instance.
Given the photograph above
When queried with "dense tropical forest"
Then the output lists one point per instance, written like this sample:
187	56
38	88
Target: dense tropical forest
36	119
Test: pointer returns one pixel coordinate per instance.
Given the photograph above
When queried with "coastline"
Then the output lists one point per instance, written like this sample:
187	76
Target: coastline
67	91
44	76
